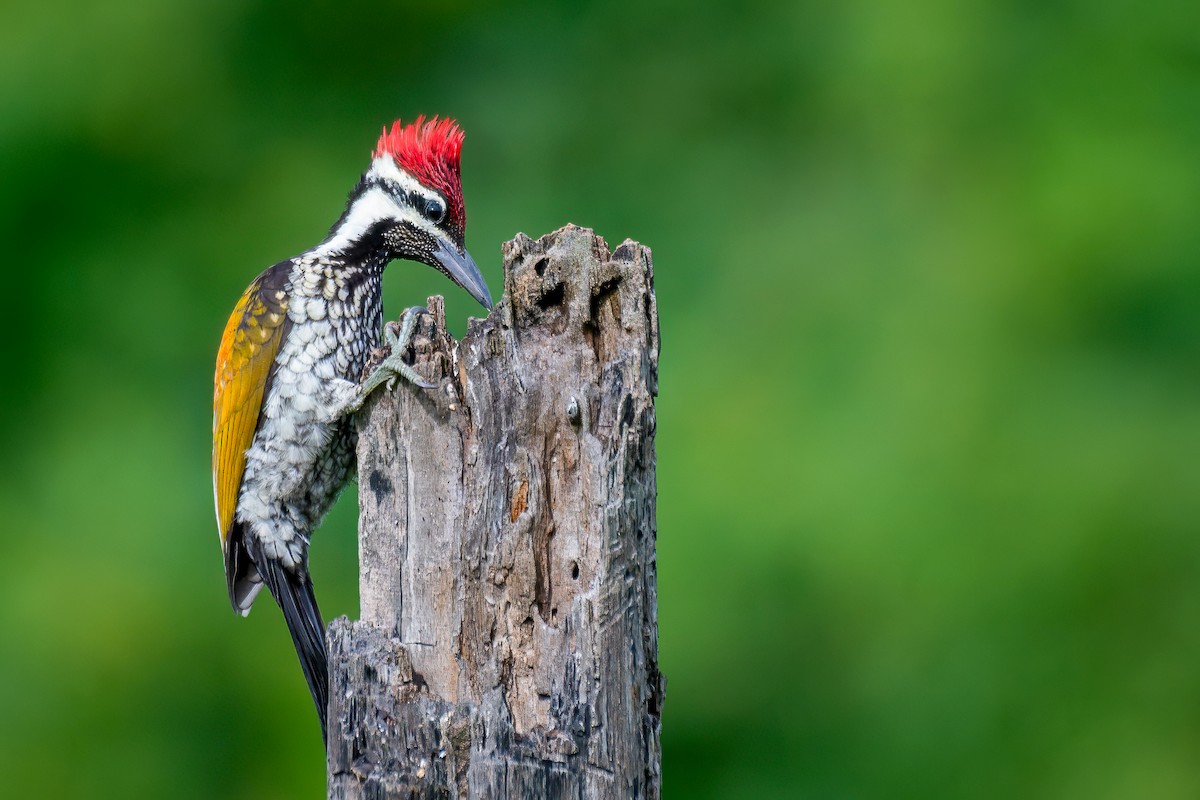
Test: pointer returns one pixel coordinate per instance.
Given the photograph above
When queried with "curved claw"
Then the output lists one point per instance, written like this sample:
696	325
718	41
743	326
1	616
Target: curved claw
398	334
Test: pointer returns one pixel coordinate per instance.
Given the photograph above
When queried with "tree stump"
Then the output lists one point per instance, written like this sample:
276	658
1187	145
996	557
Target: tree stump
508	646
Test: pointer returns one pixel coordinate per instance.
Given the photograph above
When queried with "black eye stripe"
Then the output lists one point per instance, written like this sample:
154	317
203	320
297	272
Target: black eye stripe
391	190
432	208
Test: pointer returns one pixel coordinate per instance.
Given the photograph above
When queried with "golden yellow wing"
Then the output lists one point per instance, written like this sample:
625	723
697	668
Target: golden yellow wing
245	365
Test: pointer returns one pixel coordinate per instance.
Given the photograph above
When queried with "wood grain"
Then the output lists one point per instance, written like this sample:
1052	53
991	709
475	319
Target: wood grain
508	641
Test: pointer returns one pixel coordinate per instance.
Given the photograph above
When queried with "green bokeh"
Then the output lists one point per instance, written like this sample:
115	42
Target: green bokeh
929	424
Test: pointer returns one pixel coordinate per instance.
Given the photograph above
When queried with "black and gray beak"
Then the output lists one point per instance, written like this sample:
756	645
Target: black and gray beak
461	269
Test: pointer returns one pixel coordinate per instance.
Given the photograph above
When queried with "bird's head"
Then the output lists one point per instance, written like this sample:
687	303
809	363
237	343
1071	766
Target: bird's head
411	200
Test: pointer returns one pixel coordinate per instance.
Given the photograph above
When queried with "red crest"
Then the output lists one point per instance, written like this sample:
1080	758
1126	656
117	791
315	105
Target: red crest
429	150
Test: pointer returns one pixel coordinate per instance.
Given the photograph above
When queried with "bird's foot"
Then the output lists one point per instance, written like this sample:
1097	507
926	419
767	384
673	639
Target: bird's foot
394	366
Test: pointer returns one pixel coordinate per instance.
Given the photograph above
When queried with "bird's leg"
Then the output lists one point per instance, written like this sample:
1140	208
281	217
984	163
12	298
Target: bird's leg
394	365
348	397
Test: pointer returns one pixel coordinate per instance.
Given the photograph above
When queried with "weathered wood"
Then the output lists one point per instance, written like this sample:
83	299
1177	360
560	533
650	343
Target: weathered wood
508	641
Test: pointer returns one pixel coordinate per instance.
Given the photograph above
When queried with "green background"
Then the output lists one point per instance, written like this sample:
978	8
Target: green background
928	432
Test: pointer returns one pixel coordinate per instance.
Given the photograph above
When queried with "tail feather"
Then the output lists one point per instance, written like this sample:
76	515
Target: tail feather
294	594
240	573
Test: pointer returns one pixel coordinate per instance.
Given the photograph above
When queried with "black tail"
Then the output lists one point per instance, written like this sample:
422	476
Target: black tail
294	593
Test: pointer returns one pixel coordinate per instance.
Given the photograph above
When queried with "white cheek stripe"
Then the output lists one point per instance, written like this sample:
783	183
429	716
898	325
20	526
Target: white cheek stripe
376	205
372	207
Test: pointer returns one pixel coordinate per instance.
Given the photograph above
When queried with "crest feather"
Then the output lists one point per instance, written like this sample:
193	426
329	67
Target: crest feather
429	150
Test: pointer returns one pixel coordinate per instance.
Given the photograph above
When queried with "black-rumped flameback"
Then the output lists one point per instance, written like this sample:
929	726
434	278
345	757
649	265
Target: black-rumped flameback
288	369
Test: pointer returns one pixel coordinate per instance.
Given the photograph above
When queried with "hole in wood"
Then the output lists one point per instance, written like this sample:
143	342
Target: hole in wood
554	297
603	292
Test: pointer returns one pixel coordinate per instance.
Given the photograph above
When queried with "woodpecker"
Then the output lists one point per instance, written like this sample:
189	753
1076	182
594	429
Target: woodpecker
288	368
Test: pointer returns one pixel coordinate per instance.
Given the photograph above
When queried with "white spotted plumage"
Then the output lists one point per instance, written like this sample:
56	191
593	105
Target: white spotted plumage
303	452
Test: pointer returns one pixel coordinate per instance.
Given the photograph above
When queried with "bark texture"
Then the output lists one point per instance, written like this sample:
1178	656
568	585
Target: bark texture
508	641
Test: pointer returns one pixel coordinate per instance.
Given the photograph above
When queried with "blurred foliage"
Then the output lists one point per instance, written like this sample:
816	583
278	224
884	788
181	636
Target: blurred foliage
929	419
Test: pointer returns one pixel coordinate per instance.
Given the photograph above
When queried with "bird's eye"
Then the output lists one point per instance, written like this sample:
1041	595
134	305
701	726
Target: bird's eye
435	209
